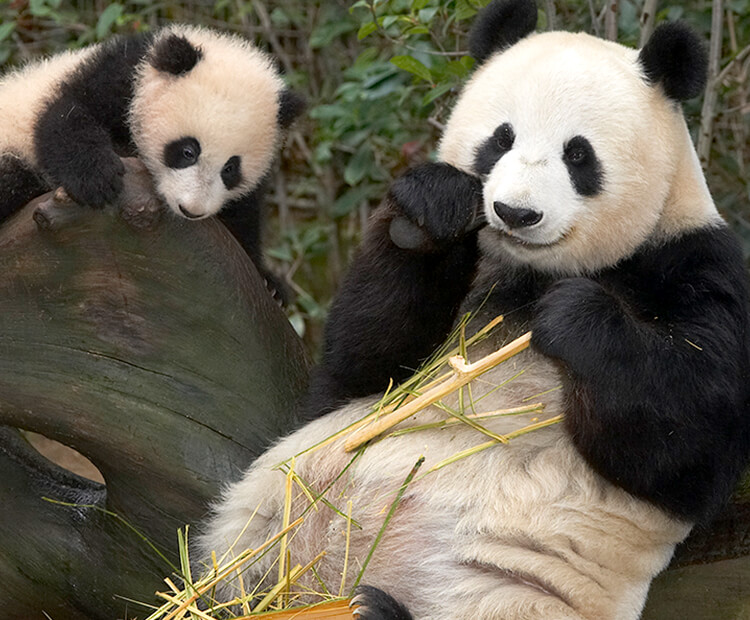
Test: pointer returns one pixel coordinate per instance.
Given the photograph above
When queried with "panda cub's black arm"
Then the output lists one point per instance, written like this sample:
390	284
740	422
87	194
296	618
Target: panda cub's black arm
78	133
657	357
397	304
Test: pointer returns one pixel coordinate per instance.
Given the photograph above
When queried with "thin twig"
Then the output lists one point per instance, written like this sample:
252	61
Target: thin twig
711	97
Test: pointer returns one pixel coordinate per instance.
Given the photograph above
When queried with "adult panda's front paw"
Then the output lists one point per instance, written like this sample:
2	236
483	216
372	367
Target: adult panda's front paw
371	603
436	205
577	321
95	181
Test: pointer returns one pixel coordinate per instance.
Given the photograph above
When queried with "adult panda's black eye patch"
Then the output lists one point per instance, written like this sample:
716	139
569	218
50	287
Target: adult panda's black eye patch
583	166
493	148
182	153
231	173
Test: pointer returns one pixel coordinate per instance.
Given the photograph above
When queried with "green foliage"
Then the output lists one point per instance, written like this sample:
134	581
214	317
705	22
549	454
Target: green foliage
381	76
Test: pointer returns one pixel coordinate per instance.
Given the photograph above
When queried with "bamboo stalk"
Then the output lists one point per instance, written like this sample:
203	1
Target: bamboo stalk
463	374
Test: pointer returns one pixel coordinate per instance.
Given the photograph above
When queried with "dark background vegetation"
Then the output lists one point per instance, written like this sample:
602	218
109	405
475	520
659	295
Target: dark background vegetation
380	76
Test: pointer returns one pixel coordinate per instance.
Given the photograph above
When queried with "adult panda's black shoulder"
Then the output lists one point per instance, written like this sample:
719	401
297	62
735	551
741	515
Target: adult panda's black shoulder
204	111
603	239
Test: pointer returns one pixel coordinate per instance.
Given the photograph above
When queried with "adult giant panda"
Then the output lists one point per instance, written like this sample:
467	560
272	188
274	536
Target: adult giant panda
204	111
602	238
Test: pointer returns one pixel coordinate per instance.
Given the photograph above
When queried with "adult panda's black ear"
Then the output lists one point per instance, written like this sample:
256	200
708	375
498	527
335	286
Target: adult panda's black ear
676	57
291	105
174	54
499	25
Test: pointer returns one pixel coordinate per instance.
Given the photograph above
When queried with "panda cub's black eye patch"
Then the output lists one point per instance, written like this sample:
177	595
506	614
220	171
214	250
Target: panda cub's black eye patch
493	148
231	173
583	166
182	153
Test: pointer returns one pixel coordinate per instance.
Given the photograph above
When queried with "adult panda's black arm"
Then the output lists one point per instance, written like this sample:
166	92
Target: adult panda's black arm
397	304
659	372
83	128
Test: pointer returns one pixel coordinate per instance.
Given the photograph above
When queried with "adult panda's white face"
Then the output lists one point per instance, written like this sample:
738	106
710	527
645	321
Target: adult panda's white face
206	118
578	152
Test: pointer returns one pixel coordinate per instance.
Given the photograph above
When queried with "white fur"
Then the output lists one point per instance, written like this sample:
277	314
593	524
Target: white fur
23	94
551	87
525	530
229	102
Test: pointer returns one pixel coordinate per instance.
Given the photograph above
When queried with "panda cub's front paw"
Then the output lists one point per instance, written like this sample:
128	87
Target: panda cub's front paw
575	321
437	205
96	182
371	603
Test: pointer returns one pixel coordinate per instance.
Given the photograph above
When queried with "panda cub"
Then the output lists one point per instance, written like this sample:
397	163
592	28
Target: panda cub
603	239
204	111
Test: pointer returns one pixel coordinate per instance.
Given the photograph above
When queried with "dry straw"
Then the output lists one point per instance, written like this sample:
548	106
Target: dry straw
447	373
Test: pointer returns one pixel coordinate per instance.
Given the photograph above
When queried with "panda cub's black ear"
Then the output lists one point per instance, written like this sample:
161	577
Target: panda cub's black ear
499	25
676	57
291	105
174	54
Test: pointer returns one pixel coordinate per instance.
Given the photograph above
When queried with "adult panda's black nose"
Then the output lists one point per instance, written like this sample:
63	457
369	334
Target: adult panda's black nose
517	218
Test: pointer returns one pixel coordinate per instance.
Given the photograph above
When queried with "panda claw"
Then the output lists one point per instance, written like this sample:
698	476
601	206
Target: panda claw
372	603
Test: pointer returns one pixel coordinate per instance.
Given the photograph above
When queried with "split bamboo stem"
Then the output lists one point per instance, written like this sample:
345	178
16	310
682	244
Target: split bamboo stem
463	374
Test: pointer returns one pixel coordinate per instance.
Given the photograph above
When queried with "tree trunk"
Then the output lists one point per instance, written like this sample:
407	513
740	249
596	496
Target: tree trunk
151	347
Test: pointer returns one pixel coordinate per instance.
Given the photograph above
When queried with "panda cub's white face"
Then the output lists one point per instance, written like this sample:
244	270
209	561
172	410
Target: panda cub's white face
574	147
207	135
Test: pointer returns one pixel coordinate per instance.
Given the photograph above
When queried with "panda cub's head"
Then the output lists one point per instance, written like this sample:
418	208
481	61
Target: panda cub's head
580	142
206	117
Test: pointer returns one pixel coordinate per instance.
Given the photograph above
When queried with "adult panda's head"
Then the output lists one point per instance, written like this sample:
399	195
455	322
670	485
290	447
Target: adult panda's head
206	117
580	142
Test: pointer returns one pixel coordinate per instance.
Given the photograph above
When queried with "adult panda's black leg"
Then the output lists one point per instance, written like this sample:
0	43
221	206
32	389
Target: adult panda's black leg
404	287
371	603
19	183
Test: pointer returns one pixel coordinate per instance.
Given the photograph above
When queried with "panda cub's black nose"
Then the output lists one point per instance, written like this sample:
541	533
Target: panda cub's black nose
517	218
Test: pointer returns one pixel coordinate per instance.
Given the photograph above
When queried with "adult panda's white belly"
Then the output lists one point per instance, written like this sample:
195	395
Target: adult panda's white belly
524	530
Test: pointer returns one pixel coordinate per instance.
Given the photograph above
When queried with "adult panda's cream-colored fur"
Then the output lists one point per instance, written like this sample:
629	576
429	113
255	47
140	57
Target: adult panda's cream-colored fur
617	271
524	530
207	106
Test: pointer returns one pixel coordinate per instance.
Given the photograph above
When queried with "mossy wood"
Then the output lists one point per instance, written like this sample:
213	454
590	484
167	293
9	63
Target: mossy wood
151	347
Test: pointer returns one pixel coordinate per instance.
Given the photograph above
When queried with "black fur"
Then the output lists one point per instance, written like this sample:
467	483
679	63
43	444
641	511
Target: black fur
81	134
19	183
676	57
291	105
231	173
493	148
499	25
395	305
244	219
583	166
656	349
174	54
182	153
373	604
